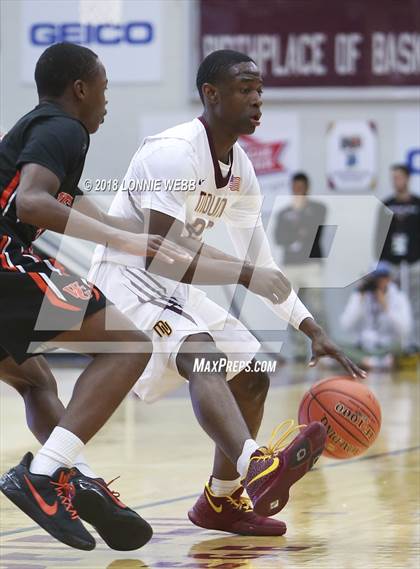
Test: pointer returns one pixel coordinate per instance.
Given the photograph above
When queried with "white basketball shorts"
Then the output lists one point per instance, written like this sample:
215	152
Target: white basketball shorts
168	317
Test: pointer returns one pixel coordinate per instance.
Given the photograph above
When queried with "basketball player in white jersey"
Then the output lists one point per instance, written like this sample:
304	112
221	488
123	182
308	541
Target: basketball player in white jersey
203	156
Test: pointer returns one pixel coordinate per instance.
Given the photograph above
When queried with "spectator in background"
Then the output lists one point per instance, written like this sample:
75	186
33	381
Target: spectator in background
379	315
402	244
298	231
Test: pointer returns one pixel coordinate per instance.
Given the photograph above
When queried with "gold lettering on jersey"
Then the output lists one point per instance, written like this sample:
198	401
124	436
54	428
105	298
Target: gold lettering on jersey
210	205
162	328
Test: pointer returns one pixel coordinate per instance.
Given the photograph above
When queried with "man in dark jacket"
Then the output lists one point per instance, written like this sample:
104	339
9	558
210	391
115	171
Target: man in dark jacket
402	243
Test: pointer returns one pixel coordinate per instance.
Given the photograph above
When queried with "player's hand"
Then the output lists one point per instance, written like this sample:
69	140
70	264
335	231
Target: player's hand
323	346
154	246
270	283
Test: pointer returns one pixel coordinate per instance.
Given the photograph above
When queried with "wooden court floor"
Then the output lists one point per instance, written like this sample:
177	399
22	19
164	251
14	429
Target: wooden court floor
344	514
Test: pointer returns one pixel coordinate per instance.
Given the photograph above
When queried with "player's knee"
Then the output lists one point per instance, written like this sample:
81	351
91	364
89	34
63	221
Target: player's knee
141	349
135	342
208	367
22	387
40	378
204	364
197	357
131	350
252	386
30	383
260	384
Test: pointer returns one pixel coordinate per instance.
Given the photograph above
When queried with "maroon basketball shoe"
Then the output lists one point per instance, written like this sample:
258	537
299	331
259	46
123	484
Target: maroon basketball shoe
274	469
233	514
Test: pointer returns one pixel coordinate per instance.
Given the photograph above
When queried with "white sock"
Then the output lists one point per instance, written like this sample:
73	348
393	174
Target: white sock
242	464
83	466
60	450
224	487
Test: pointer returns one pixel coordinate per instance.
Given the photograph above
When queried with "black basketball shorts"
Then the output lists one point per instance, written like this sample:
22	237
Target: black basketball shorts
39	299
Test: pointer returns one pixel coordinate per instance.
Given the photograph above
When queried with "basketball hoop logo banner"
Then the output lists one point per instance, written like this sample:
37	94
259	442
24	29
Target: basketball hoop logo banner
352	156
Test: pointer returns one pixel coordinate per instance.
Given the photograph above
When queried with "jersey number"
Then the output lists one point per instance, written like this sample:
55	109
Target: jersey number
196	229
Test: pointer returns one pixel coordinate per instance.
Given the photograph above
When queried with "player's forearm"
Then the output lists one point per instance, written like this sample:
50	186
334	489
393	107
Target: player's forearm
88	207
293	311
47	213
205	250
214	253
131	225
203	271
311	328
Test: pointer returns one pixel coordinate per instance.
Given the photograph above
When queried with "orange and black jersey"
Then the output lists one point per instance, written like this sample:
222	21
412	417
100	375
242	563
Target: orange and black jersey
38	296
47	136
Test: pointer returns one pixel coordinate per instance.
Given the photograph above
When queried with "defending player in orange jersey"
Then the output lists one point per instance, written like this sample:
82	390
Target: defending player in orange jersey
41	161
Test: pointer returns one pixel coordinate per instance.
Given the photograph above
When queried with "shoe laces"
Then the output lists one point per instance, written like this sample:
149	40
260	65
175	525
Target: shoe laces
65	491
114	495
242	503
284	439
106	486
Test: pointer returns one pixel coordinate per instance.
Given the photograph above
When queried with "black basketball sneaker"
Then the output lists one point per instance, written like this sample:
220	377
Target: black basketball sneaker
48	501
119	526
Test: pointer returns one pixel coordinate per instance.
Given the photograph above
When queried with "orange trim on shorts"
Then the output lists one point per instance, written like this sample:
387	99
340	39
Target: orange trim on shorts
3	259
95	292
57	265
53	298
9	189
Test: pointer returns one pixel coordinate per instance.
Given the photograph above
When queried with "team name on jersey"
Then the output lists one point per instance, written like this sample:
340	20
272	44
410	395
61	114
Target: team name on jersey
210	205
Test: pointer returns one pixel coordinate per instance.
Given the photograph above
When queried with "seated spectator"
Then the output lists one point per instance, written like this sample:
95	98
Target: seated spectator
379	314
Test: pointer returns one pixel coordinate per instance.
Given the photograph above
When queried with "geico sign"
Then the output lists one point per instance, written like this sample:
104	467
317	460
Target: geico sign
44	33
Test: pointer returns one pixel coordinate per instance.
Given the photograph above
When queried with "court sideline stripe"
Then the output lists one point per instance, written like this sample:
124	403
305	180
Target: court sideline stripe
190	496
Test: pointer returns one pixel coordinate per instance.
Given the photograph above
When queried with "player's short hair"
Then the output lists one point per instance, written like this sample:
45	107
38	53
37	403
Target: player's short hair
215	66
300	177
402	167
60	65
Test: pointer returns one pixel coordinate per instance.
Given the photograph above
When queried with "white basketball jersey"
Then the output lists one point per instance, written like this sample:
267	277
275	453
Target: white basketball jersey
177	173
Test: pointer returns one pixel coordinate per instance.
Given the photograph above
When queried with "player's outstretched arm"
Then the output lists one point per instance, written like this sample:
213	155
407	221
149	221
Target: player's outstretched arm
270	283
199	270
212	268
254	244
36	205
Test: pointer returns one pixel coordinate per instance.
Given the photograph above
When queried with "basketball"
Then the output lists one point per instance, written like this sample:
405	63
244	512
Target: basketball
350	412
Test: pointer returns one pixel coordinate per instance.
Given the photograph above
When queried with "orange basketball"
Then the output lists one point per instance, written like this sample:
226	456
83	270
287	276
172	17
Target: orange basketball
349	411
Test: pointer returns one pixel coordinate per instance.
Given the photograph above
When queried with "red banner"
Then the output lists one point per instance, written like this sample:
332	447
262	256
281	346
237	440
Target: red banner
319	43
